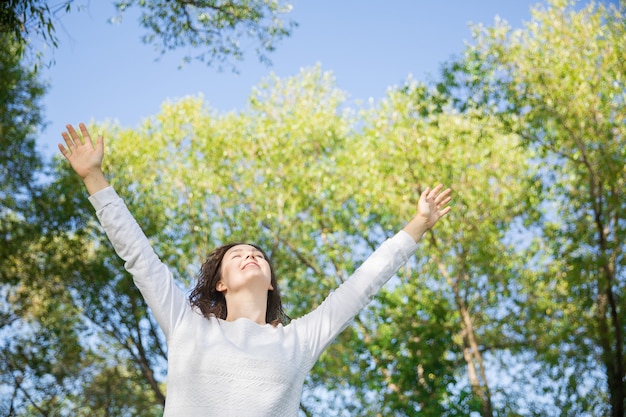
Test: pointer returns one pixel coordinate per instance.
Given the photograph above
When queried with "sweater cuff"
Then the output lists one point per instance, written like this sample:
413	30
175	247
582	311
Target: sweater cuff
407	245
103	198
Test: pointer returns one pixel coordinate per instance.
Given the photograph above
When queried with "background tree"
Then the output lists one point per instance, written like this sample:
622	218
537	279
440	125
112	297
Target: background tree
458	288
214	29
25	20
20	114
211	179
511	307
562	79
56	353
46	350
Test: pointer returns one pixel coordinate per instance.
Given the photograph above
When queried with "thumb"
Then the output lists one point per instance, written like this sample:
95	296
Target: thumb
424	194
100	143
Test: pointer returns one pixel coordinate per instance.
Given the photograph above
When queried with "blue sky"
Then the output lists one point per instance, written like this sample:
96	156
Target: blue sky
103	71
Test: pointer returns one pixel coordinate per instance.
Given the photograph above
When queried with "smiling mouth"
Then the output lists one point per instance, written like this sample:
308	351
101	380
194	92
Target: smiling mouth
250	264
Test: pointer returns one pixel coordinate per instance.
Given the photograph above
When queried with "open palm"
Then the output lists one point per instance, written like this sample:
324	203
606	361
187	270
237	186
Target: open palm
84	157
432	204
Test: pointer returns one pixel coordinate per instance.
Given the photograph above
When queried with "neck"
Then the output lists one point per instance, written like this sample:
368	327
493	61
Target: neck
246	305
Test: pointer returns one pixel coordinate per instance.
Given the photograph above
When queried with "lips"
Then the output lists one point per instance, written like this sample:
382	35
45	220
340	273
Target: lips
250	264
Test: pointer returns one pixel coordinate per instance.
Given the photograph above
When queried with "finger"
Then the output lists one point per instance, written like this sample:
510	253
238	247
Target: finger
445	211
443	195
435	191
74	135
85	132
100	143
444	202
68	140
65	152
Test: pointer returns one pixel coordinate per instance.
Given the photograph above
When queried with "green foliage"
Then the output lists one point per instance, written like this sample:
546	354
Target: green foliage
20	116
50	342
216	29
293	174
415	139
26	20
20	233
564	74
512	306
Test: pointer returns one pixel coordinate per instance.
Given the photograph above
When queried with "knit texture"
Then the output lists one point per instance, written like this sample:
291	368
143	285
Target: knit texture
239	368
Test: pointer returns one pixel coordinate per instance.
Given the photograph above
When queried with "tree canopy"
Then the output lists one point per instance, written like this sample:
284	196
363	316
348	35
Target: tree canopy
211	31
513	306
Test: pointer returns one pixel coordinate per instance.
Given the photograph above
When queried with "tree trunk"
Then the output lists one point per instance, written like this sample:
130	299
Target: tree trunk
608	317
473	357
612	353
471	352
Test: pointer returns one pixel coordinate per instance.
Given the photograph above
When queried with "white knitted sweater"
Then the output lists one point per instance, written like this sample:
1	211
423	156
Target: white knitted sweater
239	368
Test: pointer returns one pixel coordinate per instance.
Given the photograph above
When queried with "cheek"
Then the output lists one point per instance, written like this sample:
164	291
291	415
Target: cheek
224	274
269	277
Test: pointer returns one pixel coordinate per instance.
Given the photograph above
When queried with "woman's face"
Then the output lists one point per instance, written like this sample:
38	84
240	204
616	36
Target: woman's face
244	267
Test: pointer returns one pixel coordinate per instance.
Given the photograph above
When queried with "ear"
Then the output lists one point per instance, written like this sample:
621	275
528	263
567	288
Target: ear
270	288
220	286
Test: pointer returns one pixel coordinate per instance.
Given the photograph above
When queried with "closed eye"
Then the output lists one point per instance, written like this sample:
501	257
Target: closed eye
238	253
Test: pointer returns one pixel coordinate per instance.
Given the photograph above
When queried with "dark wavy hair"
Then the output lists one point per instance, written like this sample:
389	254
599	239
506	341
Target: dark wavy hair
210	301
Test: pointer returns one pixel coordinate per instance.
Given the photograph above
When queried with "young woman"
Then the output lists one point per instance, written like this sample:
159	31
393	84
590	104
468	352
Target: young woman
230	352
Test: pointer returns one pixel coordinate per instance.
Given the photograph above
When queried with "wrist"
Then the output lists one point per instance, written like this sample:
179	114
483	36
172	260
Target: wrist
416	228
92	174
95	181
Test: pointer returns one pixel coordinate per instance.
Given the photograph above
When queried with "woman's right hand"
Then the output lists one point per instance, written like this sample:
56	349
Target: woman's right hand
84	157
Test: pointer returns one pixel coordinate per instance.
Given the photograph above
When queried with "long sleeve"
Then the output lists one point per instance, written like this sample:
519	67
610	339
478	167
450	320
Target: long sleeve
322	325
155	281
